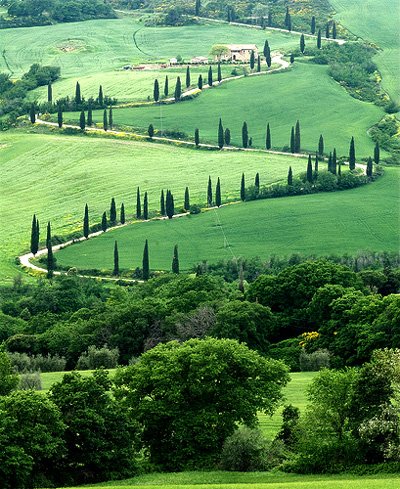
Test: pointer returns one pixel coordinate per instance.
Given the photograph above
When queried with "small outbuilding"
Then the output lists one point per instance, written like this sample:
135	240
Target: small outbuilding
239	53
173	61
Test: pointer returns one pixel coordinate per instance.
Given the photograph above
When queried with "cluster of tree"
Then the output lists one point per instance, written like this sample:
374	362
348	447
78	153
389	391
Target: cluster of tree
42	12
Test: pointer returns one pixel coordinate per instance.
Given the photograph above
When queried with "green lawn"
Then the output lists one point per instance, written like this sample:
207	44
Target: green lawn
50	378
350	221
376	21
306	93
54	176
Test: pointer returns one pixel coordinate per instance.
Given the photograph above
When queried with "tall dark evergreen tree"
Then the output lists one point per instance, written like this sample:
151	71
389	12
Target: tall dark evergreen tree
78	97
197	8
319	39
327	33
330	162
297	138
116	259
377	154
313	25
138	204
289	24
100	98
268	138
104	224
187	77
110	118
309	174
245	135
258	64
113	212
200	82
86	222
187	199
334	31
209	193
210	77
290	176
316	163
166	88
339	171
59	117
90	115
178	89
175	261
34	236
334	161
321	145
269	21
292	144
227	136
196	137
162	203
156	91
243	188
369	167
105	121
146	262
122	214
352	155
219	73
82	120
49	93
291	58
37	233
32	114
169	205
287	15
252	60
145	207
257	183
218	194
50	256
302	43
220	134
150	131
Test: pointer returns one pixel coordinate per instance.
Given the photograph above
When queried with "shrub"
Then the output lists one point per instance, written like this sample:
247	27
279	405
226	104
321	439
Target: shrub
22	362
311	362
98	357
195	209
244	451
29	381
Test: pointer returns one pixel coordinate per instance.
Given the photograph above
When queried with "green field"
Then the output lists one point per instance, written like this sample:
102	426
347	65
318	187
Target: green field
366	218
377	22
54	176
50	378
306	93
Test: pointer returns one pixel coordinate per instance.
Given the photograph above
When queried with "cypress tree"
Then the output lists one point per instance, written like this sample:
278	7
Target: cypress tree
209	192
50	256
290	176
175	261
145	262
210	77
218	194
187	199
327	33
321	145
113	212
258	64
82	120
60	117
178	89
302	43
187	77
287	15
145	207
330	162
122	214
116	260
313	25
369	167
352	155
78	97
32	114
156	91
269	22
267	54
252	60
100	98
196	137
309	170
289	24
227	136
292	146
37	234
257	183
162	203
245	135
86	222
334	32
104	222
150	131
268	137
138	205
197	8
297	145
34	236
377	153
319	39
243	188
316	163
90	115
334	161
169	204
220	134
166	88
49	93
105	121
219	73
250	142
200	82
339	169
291	58
110	118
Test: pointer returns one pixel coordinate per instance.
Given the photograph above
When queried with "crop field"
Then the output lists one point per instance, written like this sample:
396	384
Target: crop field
306	93
376	22
365	218
54	176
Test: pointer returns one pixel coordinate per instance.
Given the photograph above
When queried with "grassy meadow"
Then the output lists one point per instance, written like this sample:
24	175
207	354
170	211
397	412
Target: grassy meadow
306	93
376	22
350	221
54	176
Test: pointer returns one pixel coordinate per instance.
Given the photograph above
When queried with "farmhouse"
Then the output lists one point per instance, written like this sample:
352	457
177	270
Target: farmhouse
239	52
199	60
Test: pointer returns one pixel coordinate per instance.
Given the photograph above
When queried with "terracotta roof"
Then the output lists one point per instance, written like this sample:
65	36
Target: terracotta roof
239	47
